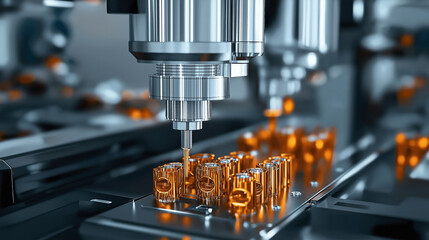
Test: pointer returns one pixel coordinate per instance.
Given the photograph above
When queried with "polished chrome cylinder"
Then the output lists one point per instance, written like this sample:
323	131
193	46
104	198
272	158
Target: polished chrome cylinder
188	90
187	30
319	24
188	82
248	27
182	111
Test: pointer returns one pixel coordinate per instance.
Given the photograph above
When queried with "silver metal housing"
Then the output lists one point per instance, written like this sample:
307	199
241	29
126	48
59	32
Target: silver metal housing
197	46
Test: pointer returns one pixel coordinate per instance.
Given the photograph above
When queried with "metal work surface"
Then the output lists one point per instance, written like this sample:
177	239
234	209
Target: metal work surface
147	217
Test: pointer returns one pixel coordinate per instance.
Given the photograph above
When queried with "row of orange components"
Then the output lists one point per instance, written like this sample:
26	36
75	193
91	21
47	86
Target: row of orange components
409	152
237	177
308	148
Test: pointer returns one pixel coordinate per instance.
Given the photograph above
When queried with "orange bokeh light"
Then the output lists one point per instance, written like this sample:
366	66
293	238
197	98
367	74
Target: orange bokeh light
288	105
406	40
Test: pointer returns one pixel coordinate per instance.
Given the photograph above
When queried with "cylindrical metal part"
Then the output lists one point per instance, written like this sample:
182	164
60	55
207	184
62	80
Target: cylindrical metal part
290	162
204	157
181	179
233	159
188	82
246	159
273	177
167	180
248	24
186	139
242	195
282	173
187	111
229	168
187	30
209	182
285	170
318	24
248	142
190	186
262	184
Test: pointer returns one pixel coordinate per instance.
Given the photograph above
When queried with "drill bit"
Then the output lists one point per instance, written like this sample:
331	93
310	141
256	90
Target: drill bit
186	146
186	160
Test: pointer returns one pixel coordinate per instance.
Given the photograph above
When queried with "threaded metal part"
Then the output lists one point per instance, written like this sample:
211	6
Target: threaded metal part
188	70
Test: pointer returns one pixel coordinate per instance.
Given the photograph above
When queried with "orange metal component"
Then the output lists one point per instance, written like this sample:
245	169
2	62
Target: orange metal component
167	182
289	162
194	160
273	173
401	148
309	148
181	168
262	184
288	105
190	186
242	195
246	160
229	167
409	152
248	142
236	161
209	182
204	157
285	170
281	173
272	113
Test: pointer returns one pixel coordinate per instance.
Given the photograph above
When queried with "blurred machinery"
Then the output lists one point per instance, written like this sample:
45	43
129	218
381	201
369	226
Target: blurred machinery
299	36
321	133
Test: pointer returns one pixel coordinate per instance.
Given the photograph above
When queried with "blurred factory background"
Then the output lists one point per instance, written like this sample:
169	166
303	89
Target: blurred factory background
92	93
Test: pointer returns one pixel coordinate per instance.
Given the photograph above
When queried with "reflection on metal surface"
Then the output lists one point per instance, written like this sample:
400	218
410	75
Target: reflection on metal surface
167	182
248	142
247	160
273	175
242	198
209	182
230	166
262	184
